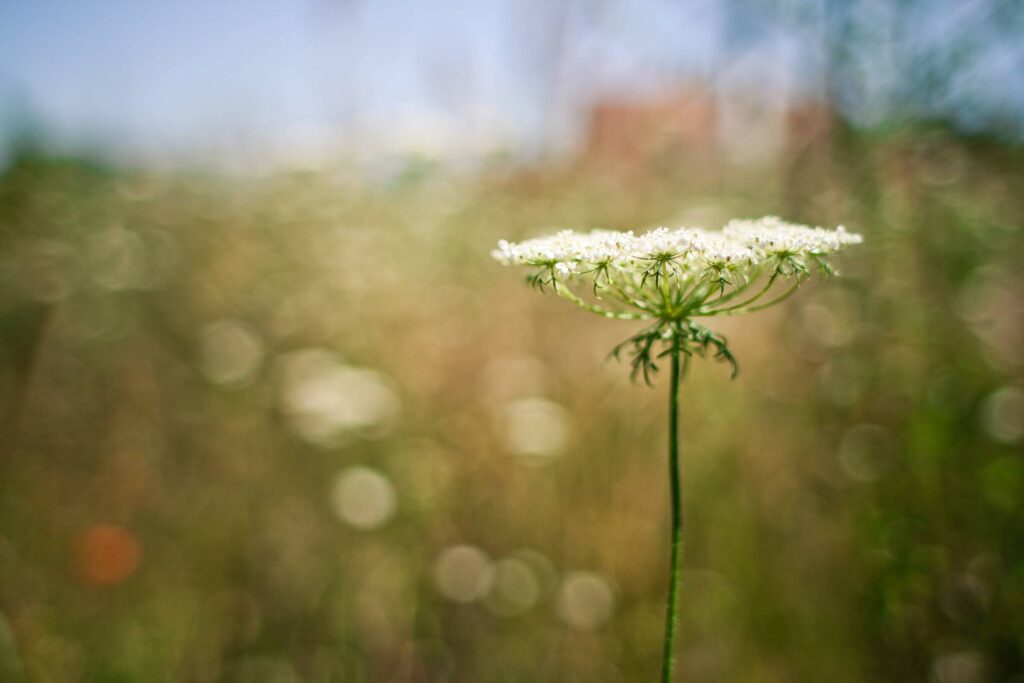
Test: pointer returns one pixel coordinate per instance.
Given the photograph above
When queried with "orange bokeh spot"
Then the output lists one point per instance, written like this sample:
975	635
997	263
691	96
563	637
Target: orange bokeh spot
106	554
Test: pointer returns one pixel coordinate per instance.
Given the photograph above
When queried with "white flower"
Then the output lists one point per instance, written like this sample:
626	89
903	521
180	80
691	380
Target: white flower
677	273
772	236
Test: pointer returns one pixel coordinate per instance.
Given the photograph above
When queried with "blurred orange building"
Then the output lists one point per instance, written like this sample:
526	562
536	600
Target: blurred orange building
691	126
639	133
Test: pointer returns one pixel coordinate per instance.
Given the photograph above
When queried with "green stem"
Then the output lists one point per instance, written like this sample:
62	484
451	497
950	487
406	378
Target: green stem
677	517
754	309
564	291
708	309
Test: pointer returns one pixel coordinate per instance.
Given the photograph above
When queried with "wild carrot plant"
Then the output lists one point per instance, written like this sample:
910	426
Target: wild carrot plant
672	278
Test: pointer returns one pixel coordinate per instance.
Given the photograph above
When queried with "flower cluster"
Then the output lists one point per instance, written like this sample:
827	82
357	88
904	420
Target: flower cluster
672	276
676	273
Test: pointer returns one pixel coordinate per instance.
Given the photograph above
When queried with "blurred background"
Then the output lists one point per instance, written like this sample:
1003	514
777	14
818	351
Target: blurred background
269	412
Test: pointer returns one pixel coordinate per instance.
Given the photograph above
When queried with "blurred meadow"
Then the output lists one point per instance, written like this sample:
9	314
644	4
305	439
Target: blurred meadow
285	420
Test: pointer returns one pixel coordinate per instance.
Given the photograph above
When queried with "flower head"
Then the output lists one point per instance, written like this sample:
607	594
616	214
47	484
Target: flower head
672	276
677	273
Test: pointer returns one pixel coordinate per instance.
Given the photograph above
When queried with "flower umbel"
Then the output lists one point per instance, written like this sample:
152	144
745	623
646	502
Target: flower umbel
671	276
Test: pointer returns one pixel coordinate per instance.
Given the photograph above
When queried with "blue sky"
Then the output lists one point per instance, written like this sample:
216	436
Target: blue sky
178	69
166	73
174	71
163	75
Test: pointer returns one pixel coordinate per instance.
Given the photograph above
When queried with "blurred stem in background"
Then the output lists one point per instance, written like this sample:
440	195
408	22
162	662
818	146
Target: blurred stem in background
22	331
677	517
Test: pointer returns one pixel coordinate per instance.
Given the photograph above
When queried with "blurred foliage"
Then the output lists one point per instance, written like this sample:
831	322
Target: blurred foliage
301	428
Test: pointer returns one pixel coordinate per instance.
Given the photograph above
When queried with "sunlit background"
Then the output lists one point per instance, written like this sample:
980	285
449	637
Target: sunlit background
269	412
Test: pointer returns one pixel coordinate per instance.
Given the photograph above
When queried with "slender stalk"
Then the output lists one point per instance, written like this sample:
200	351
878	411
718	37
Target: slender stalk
760	307
563	290
677	518
709	309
